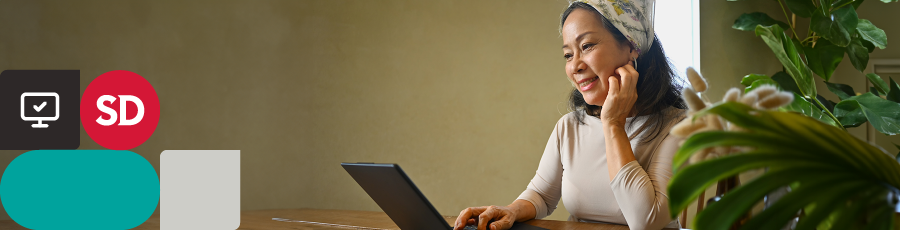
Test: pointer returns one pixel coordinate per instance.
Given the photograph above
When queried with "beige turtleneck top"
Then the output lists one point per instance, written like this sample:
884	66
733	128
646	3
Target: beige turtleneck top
573	168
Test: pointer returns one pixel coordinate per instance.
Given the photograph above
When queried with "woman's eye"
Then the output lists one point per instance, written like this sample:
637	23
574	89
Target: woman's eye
586	46
567	56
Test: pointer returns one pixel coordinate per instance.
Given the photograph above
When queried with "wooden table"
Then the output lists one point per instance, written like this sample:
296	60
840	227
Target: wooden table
294	219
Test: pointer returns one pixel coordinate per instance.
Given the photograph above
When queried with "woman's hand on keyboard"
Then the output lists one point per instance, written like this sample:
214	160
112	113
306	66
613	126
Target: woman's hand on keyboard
499	217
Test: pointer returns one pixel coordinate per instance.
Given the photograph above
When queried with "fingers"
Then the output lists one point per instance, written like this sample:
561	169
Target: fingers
486	217
630	67
461	219
492	212
613	86
629	78
465	217
626	78
622	93
503	223
634	73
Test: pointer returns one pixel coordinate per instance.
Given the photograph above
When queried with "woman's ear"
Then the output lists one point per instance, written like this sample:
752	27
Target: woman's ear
634	53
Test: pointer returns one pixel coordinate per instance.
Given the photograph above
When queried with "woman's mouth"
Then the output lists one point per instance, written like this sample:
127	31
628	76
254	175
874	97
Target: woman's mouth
587	84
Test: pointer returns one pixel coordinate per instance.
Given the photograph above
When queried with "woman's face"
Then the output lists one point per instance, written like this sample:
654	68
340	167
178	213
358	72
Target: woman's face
592	55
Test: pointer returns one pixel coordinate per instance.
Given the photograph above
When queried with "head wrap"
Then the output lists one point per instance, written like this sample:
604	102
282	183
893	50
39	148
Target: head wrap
634	18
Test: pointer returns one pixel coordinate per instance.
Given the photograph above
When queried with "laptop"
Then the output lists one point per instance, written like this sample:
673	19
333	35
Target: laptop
400	199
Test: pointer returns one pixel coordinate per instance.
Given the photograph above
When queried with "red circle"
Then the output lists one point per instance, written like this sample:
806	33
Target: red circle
116	84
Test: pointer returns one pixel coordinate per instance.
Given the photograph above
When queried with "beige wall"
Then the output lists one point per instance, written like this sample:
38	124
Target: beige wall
462	94
726	54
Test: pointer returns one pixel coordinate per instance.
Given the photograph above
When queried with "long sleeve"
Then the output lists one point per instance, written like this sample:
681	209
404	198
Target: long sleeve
642	194
544	191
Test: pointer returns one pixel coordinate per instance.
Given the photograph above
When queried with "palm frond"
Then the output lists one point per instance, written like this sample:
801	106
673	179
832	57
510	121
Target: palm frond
837	173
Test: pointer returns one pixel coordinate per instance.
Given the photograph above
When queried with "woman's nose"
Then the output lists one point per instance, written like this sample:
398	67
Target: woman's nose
577	65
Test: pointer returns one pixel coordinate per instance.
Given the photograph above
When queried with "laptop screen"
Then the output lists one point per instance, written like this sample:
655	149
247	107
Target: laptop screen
397	196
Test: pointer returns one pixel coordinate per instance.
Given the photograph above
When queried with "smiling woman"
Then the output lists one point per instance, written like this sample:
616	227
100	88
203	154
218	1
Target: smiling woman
610	159
655	93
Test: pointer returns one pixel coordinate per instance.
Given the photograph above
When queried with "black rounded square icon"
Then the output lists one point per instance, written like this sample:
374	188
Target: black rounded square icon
39	109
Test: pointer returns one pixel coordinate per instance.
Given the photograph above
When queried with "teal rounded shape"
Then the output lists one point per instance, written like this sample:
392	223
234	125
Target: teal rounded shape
79	189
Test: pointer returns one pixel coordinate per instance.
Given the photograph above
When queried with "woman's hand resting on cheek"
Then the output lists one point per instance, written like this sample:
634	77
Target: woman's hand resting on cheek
503	217
621	96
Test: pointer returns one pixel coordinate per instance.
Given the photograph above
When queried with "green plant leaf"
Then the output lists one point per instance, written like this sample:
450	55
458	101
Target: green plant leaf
894	94
881	113
837	27
749	21
879	84
789	56
882	218
687	185
869	46
847	18
759	82
786	82
836	3
734	204
824	58
841	90
850	214
829	105
734	112
750	78
824	3
803	8
861	210
849	113
801	105
898	154
874	91
858	54
855	3
794	51
802	135
704	140
829	164
821	214
785	209
815	138
873	34
788	126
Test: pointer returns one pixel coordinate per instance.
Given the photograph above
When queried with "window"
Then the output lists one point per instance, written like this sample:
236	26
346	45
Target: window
677	24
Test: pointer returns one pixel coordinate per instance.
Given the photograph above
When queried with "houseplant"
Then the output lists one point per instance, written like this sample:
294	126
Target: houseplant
834	29
837	180
841	182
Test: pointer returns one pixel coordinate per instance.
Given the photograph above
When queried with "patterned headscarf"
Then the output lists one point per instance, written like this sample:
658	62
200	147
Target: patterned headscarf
634	18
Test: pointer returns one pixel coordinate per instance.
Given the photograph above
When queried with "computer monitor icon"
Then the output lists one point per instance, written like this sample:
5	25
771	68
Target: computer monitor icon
37	102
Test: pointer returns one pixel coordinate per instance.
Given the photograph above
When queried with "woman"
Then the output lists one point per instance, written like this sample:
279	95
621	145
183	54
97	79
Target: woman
611	159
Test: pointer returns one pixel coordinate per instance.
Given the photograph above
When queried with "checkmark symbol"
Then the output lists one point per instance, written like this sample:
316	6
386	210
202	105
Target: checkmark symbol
39	108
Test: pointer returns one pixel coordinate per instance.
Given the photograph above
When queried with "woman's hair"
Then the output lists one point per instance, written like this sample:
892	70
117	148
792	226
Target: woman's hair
657	87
